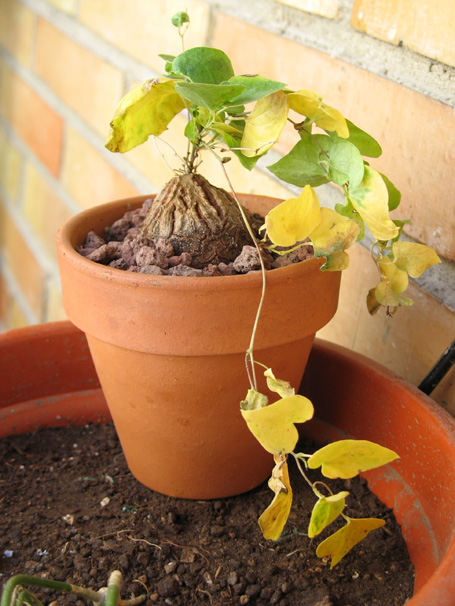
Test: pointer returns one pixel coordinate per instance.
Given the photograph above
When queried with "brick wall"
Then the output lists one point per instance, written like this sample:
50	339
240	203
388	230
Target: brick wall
388	65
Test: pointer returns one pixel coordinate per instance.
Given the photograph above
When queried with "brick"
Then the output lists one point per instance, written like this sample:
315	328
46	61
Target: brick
145	30
424	26
11	313
44	209
38	125
54	303
17	30
418	160
88	176
409	343
23	265
10	167
325	8
88	85
67	6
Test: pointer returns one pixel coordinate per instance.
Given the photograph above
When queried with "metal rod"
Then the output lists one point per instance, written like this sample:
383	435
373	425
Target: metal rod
442	366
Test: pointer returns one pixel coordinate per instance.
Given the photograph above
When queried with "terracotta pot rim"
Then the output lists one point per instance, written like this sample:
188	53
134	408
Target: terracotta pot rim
66	243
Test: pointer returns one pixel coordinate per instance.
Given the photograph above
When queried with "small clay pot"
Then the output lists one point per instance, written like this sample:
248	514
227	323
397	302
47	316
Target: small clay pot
170	355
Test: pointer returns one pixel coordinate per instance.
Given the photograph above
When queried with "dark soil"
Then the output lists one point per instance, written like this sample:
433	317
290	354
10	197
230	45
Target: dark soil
72	511
122	247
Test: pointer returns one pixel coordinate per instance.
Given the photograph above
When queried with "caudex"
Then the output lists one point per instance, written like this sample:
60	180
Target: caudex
243	116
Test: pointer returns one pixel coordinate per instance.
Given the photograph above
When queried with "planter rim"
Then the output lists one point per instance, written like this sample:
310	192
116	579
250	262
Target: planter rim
135	279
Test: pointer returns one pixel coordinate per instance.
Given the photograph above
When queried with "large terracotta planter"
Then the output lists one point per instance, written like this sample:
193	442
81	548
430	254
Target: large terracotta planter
170	356
47	379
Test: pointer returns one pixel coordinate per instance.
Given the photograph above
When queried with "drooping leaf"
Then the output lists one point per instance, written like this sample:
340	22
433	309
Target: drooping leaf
274	425
341	542
282	388
192	131
274	518
365	143
144	111
336	262
265	123
294	219
254	400
325	511
397	278
347	210
334	233
302	165
346	458
255	88
204	65
309	104
211	96
370	199
413	257
394	193
234	143
384	296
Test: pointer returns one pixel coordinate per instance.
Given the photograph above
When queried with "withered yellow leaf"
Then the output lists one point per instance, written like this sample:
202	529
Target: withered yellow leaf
325	511
371	200
274	518
341	542
398	279
345	458
274	426
309	104
264	125
146	110
384	295
282	388
294	219
413	257
334	233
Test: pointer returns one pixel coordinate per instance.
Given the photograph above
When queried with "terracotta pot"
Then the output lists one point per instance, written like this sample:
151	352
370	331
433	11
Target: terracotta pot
170	356
47	379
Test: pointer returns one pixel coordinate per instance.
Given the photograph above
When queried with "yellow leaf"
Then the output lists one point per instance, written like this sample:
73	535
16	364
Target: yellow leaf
414	258
273	426
326	510
398	279
309	104
264	125
345	458
371	200
144	111
282	388
384	295
336	262
334	233
254	399
294	219
341	542
274	518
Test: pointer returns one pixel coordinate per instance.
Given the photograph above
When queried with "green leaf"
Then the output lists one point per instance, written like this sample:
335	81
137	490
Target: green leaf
364	142
341	542
326	510
274	518
294	219
302	165
168	58
256	87
144	111
233	142
180	18
345	162
192	131
346	458
204	65
210	96
370	199
264	125
274	426
394	193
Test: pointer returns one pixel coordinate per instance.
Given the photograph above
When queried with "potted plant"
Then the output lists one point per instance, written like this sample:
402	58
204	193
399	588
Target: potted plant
171	321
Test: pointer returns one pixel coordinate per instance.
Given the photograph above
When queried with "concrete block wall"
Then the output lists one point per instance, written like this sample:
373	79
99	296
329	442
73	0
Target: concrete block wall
388	65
